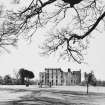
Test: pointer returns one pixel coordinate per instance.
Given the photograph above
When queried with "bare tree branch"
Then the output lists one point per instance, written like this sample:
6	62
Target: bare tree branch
87	16
60	41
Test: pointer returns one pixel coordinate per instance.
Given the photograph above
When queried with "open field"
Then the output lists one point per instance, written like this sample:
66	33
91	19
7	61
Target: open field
61	95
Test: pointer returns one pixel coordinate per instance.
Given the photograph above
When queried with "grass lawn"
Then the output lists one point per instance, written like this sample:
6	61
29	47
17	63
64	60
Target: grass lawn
62	95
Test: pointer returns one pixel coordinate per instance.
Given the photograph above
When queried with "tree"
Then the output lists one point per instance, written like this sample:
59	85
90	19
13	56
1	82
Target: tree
16	78
25	74
1	80
7	80
90	79
6	38
87	16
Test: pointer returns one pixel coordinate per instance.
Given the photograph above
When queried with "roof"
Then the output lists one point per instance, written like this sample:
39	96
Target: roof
76	72
53	69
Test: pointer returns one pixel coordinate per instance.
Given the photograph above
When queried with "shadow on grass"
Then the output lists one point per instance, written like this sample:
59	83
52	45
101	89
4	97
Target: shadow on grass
35	99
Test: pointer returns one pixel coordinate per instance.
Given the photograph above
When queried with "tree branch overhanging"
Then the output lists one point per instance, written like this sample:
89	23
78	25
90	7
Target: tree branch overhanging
70	41
90	30
87	18
33	13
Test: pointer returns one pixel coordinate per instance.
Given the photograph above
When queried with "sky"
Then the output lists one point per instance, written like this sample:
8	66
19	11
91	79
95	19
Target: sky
27	56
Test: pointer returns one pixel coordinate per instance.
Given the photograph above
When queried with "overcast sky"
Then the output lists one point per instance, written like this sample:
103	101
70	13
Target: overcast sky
27	56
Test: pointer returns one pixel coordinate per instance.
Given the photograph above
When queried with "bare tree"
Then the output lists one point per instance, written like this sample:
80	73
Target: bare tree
59	41
16	77
90	79
88	14
6	36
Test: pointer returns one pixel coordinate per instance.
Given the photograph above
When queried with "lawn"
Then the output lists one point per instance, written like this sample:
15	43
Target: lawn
60	95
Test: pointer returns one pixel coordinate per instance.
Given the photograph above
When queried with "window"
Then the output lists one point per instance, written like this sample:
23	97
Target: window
56	82
52	82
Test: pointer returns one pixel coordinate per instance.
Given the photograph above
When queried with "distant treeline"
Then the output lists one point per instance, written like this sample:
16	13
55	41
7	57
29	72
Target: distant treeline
97	83
100	83
22	77
8	80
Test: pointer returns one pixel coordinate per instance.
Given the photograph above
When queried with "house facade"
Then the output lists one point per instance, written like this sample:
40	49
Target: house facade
57	77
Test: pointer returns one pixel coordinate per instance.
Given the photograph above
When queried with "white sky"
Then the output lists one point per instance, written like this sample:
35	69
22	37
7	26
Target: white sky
27	56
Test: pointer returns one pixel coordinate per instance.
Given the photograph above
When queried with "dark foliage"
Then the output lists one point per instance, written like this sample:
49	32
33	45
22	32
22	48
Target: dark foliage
7	80
25	74
72	2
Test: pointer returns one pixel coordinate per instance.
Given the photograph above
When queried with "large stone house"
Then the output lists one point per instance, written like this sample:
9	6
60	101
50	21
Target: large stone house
56	76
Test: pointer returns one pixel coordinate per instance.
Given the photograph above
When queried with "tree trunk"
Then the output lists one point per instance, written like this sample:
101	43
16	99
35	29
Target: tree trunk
87	88
27	82
22	81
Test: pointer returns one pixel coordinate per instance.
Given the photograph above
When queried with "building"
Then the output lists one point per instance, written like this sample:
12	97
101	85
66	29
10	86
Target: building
56	76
